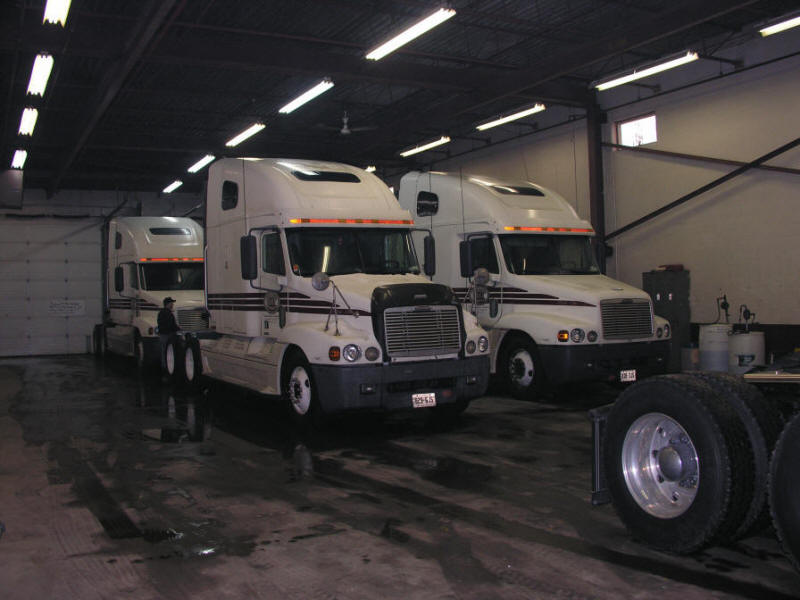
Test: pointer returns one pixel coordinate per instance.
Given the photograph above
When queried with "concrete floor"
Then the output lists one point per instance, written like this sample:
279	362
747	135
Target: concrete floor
113	486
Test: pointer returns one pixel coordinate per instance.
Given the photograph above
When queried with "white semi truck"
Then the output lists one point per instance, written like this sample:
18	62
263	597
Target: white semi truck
552	316
146	260
315	294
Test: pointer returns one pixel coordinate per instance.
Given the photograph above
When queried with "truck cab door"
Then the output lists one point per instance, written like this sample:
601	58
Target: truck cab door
272	278
484	255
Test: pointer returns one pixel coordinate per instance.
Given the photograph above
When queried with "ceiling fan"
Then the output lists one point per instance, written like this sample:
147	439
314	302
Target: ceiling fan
345	129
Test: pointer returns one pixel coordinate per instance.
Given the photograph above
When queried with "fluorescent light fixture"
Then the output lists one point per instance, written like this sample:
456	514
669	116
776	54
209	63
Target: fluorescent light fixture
28	121
517	115
201	163
782	25
658	68
172	186
40	74
321	87
413	32
55	11
417	149
19	159
249	132
370	169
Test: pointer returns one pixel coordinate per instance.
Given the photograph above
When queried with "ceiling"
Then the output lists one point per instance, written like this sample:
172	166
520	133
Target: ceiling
141	90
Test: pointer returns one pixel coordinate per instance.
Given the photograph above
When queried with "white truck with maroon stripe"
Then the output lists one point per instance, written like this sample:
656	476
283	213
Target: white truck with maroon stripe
148	259
551	315
315	295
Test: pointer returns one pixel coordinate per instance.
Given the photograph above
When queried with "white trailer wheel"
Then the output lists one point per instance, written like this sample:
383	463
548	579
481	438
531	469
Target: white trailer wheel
188	364
660	466
170	358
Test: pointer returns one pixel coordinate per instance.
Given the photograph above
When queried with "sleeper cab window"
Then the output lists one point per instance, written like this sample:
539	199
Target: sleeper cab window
427	204
272	254
230	195
483	254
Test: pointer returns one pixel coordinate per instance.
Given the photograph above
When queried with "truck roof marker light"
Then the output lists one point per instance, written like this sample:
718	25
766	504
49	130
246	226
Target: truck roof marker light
551	229
172	186
247	133
201	163
411	33
322	87
512	117
176	259
298	221
417	149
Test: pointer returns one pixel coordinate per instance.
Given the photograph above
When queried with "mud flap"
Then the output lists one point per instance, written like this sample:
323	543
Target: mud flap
599	416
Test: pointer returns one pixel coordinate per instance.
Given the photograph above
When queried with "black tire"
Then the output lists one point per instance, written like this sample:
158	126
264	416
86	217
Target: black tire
761	424
99	340
174	359
784	490
670	455
192	364
519	367
138	351
299	391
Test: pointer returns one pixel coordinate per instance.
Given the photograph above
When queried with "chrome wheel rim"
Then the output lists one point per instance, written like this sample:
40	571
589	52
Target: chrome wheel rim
189	364
300	390
660	465
520	368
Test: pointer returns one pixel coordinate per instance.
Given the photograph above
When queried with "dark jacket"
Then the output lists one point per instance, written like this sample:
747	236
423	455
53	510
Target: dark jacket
166	322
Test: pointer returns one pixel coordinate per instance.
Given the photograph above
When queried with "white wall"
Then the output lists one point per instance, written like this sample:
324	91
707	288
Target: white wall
740	239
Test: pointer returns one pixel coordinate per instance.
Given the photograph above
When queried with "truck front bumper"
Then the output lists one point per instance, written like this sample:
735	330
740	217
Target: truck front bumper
391	386
603	362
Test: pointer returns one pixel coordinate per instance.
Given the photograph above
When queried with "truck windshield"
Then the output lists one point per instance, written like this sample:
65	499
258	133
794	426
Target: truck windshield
172	276
549	254
338	251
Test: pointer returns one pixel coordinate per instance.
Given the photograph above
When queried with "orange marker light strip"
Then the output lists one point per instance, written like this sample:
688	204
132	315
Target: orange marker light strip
185	259
563	229
354	221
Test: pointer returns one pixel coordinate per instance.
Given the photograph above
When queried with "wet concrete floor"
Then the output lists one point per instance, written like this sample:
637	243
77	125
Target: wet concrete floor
113	485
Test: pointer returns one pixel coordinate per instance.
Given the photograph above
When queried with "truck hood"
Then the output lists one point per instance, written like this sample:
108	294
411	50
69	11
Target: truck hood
589	289
357	288
183	298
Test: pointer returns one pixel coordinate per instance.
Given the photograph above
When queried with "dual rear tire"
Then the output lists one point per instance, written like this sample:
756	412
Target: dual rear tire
686	457
183	362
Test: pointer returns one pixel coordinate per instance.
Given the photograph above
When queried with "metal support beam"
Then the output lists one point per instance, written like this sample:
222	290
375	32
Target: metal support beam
701	158
701	190
597	210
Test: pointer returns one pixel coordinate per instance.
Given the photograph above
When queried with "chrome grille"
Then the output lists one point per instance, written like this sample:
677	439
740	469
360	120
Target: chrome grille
422	331
627	318
192	319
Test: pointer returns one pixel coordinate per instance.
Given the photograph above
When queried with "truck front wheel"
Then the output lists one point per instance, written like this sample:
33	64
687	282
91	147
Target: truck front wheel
520	368
677	470
300	391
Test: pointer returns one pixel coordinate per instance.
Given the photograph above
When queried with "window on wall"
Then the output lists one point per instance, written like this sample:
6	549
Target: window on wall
638	131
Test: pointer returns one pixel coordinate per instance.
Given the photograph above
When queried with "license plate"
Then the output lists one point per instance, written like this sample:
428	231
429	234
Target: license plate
627	375
423	400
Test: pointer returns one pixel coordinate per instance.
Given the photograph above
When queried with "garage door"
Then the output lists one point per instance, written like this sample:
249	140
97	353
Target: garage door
50	276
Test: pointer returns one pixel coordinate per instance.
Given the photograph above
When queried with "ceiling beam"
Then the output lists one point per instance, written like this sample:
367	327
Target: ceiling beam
147	28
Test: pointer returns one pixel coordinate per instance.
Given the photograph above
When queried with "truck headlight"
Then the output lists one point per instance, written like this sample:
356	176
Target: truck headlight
483	343
372	353
577	335
592	336
659	332
666	330
351	353
471	347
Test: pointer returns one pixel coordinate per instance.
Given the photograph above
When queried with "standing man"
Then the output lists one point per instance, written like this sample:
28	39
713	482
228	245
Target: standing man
167	326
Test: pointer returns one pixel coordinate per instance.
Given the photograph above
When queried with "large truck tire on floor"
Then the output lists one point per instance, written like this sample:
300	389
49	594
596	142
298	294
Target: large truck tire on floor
685	460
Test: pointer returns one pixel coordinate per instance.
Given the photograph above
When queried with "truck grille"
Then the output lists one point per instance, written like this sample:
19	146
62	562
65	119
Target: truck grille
192	319
422	331
627	318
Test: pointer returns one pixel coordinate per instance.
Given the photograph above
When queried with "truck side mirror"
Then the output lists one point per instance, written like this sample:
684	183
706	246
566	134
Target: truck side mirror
465	253
119	279
430	256
248	251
